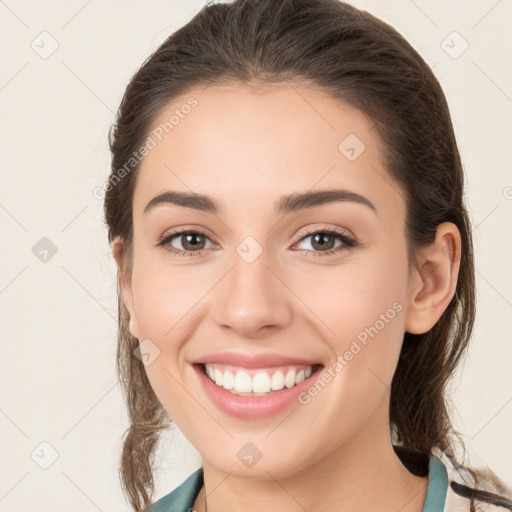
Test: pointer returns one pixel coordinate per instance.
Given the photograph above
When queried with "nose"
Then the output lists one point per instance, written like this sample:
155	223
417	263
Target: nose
253	298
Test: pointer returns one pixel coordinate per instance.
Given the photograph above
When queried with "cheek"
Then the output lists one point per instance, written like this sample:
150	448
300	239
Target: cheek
361	315
359	309
352	296
164	303
164	296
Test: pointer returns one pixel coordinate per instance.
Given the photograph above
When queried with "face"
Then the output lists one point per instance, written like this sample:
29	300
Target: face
317	287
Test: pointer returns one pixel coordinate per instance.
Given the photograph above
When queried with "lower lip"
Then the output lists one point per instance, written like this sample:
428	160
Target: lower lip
250	407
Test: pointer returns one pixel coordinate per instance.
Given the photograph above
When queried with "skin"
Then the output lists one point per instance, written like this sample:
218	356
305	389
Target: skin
246	148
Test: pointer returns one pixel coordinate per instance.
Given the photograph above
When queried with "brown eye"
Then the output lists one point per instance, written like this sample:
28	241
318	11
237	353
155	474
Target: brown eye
192	242
321	241
324	241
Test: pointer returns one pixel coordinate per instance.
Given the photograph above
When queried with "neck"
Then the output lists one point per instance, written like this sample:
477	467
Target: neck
364	474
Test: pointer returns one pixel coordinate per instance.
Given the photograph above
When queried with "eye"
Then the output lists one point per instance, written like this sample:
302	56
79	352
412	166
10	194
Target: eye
325	239
192	241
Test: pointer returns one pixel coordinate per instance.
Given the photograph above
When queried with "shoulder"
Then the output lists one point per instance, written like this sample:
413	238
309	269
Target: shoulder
466	494
182	498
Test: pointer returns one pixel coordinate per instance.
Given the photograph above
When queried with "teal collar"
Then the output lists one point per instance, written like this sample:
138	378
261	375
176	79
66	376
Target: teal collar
437	486
183	497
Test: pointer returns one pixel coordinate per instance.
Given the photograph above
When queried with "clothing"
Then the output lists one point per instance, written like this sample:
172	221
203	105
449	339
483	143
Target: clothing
449	490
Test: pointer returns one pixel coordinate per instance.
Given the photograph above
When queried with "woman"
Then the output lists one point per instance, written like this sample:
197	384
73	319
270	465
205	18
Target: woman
295	266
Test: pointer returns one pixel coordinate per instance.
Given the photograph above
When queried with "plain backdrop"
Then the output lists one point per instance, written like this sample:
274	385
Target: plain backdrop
64	67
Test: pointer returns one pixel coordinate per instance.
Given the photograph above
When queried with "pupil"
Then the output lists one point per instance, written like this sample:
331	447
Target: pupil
322	244
191	240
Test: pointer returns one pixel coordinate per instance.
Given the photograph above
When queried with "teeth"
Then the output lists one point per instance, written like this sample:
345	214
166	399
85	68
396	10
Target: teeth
243	382
261	383
229	380
219	377
277	381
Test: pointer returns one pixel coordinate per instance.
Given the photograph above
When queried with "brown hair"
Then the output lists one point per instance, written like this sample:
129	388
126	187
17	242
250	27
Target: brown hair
364	62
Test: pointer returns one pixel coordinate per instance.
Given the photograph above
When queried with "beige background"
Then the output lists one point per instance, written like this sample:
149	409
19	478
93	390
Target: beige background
57	370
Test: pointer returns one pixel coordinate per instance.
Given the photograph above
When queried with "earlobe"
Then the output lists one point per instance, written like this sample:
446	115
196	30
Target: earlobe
434	282
124	284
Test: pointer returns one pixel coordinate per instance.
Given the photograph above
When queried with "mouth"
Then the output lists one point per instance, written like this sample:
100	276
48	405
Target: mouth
257	382
255	393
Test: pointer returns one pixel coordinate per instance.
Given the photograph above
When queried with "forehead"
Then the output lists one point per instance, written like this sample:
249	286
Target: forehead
243	145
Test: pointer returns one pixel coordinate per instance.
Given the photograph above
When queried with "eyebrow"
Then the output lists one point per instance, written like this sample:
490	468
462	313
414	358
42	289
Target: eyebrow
286	204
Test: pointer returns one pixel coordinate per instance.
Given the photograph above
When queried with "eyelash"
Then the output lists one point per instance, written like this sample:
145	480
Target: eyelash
348	243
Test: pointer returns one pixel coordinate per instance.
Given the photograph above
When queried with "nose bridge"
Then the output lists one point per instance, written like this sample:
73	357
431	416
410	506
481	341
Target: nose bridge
251	296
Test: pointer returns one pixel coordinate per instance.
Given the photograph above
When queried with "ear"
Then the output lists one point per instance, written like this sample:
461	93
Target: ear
124	283
433	283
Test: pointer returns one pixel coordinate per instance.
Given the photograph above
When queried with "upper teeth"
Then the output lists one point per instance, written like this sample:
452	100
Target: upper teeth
263	381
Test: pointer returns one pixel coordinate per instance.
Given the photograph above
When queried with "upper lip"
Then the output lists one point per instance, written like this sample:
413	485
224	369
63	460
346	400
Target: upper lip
256	361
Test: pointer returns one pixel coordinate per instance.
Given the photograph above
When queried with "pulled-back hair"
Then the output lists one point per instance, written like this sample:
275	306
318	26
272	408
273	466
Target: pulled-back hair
360	60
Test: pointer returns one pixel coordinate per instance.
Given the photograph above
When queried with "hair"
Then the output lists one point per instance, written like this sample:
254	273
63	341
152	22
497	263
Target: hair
362	61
